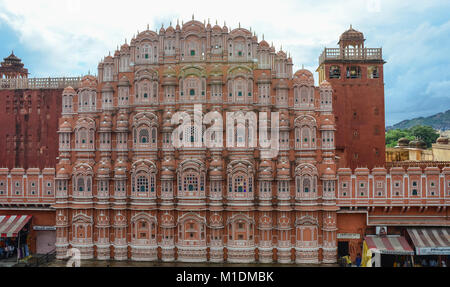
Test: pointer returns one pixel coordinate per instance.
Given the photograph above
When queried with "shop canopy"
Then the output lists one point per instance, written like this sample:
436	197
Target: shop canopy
10	225
430	241
389	244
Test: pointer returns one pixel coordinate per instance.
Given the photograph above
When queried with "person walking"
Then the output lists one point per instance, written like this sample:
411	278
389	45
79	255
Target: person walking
358	260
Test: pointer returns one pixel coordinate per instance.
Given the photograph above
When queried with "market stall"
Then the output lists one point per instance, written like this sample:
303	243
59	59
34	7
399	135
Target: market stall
382	250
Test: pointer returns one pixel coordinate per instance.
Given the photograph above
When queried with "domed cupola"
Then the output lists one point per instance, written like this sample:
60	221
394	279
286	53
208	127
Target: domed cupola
403	142
442	140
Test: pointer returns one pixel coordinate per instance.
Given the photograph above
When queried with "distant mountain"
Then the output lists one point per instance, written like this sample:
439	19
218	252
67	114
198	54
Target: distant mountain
439	121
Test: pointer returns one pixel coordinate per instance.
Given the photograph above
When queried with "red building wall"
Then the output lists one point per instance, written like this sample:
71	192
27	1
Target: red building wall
29	121
359	110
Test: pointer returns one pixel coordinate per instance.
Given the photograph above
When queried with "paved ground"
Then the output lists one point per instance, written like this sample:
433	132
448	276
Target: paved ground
10	262
97	263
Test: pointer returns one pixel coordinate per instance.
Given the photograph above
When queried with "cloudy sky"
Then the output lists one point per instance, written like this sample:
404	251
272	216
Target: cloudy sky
69	37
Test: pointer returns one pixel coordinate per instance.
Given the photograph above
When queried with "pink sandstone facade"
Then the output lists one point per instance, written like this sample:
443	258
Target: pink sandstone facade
124	191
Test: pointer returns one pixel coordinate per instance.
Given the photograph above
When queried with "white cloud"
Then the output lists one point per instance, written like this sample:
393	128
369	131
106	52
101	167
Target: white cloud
75	34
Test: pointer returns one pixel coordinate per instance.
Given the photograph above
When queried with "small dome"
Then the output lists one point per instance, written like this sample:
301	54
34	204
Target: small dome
167	173
420	144
352	35
282	54
109	59
264	44
215	172
442	140
107	88
325	84
103	169
403	142
170	30
89	81
168	163
62	173
304	76
69	90
265	163
122	121
106	123
124	82
65	127
217	29
124	47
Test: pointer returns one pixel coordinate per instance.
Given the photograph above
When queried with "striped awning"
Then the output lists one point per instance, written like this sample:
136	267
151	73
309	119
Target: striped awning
10	225
389	244
430	241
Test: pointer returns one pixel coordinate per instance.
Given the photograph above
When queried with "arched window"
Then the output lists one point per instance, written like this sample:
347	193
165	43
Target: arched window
353	72
335	72
80	184
143	180
143	136
305	133
306	182
142	184
191	179
191	230
306	185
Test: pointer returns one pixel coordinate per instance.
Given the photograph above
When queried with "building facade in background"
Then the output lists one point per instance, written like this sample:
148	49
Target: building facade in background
29	113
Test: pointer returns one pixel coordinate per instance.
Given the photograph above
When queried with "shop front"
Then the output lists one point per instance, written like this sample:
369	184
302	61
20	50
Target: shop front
387	251
14	236
432	246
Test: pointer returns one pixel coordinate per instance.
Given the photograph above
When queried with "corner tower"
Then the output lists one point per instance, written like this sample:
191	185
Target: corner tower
356	75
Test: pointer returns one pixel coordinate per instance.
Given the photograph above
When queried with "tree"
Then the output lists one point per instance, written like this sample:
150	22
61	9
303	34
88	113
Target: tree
392	136
425	133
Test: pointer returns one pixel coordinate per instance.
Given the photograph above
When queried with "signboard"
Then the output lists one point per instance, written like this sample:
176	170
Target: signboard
348	236
381	230
433	250
44	228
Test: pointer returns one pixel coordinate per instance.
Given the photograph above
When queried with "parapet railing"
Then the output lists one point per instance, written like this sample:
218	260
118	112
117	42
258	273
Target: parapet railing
351	54
422	164
39	83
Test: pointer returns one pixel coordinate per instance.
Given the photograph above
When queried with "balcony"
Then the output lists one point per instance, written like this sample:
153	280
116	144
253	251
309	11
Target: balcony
335	54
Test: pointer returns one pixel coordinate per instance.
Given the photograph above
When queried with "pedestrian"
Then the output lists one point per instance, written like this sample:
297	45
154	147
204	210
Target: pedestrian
358	260
348	261
424	263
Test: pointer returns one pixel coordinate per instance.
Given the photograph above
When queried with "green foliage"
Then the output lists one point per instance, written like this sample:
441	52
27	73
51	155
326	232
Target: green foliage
392	136
425	133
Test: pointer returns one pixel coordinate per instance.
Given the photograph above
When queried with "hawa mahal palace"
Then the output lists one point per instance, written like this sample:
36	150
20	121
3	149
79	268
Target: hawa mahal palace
99	153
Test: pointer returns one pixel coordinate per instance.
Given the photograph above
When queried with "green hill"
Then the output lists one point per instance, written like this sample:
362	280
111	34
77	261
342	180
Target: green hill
439	121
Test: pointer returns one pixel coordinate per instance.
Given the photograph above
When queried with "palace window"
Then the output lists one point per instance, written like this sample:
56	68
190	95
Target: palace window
353	72
142	184
372	72
335	72
143	136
